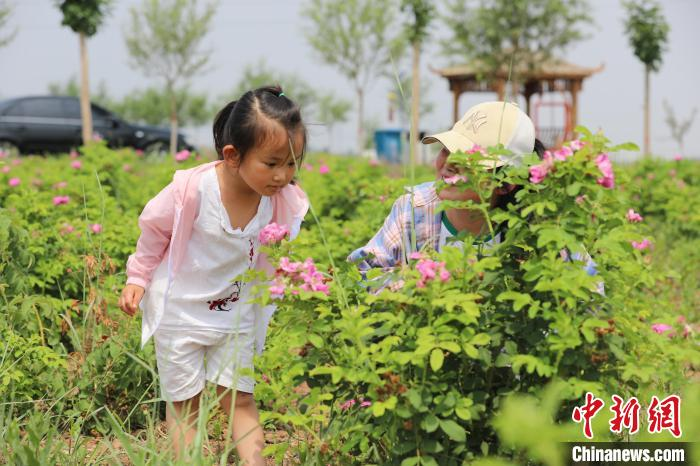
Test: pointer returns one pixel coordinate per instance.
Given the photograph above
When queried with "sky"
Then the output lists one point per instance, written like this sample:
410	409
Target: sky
245	31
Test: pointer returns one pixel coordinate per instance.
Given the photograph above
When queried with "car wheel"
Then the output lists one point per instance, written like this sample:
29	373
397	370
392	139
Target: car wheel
9	149
157	149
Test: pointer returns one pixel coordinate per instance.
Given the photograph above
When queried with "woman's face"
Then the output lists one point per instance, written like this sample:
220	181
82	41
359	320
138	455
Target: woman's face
455	193
446	170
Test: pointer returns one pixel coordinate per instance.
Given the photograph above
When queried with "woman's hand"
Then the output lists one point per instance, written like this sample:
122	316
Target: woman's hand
130	298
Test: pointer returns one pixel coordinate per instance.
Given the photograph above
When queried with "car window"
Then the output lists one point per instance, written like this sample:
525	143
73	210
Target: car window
16	109
44	108
71	108
98	112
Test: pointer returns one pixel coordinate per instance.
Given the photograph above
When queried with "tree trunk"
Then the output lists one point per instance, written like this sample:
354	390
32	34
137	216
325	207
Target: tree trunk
360	119
173	120
647	149
85	109
415	105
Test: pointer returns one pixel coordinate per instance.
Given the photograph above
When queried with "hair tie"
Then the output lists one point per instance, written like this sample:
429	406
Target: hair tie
280	94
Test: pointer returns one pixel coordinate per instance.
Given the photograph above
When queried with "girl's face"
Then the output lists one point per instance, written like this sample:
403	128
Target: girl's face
270	166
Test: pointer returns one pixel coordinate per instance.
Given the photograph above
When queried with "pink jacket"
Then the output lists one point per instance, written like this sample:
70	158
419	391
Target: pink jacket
166	227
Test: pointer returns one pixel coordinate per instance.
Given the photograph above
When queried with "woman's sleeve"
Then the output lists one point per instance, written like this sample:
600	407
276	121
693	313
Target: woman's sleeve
156	224
384	250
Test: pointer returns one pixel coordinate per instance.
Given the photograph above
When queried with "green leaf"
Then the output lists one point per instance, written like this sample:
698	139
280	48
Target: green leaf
519	299
573	189
453	430
411	461
471	351
480	339
430	423
316	340
436	359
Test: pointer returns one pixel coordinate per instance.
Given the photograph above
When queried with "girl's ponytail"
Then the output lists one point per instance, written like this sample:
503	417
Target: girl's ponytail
219	126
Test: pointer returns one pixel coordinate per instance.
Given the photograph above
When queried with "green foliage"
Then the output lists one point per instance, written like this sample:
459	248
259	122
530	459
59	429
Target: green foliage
5	13
647	30
357	38
164	41
412	373
84	16
485	366
492	33
420	13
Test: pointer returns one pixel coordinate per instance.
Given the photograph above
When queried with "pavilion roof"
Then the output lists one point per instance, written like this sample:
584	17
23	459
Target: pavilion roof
549	70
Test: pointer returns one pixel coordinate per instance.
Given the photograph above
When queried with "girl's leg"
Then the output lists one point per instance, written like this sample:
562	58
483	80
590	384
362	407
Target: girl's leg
247	432
181	419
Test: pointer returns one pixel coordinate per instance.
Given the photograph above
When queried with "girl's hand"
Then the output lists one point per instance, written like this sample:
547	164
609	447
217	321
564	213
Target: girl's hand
130	298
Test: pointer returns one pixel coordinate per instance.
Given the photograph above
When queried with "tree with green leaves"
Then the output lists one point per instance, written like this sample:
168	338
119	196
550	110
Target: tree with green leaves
678	127
5	13
420	12
491	34
647	30
84	17
316	105
260	74
164	41
357	37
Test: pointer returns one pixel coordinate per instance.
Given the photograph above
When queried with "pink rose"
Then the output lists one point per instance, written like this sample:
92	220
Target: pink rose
323	169
182	155
96	228
645	243
58	200
347	405
76	164
633	216
605	166
273	234
14	182
576	144
289	267
73	154
538	173
563	153
6	169
678	157
661	328
277	290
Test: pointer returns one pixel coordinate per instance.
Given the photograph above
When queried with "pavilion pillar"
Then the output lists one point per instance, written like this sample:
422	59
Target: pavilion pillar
573	117
455	104
500	87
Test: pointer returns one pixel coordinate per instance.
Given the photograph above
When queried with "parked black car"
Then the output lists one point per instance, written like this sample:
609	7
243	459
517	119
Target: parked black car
53	124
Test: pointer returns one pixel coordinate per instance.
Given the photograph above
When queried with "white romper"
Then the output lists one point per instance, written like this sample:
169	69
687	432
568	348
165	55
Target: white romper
207	330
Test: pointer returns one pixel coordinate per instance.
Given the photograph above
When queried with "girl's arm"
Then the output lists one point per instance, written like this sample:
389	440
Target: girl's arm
156	224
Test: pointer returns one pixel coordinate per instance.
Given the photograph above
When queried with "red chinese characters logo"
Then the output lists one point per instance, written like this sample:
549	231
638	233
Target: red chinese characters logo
587	412
661	415
626	415
665	415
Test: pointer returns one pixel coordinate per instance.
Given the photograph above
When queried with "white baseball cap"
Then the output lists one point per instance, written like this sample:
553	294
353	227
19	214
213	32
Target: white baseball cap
489	124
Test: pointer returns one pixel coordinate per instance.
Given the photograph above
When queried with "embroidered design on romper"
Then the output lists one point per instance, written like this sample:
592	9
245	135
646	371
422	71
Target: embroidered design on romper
221	305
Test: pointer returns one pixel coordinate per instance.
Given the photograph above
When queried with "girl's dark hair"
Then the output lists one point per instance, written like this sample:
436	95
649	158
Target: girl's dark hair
503	201
245	123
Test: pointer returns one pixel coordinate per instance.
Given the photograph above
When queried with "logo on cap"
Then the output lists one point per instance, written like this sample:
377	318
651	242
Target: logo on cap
475	121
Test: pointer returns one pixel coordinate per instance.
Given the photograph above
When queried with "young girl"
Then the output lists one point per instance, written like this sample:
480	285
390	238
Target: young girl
199	233
484	125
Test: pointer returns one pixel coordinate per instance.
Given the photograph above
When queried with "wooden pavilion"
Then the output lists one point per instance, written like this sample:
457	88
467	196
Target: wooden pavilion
550	76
